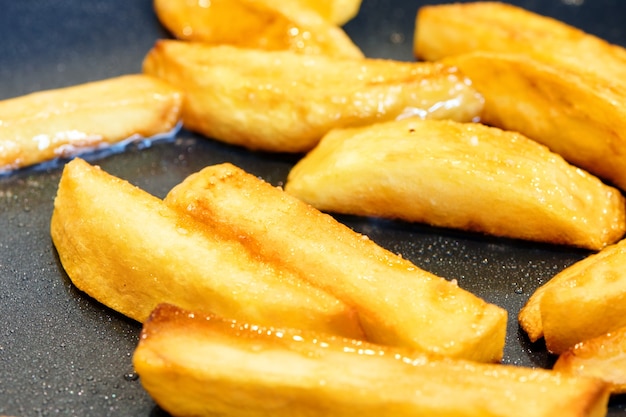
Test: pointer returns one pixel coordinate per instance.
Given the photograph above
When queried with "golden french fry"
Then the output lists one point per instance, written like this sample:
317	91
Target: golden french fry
581	302
459	28
397	302
602	357
264	24
128	250
459	175
62	122
540	77
285	102
194	365
338	12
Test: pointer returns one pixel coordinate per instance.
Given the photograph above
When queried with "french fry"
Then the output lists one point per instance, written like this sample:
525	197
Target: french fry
128	250
62	122
194	365
540	77
581	302
459	175
459	28
285	102
338	12
602	357
397	302
264	24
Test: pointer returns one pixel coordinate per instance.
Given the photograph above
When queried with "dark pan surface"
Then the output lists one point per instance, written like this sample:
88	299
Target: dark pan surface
62	353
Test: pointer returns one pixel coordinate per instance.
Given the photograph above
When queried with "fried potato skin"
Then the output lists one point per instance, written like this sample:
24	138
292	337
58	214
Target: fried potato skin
259	24
459	175
197	365
397	302
128	250
61	122
285	102
602	357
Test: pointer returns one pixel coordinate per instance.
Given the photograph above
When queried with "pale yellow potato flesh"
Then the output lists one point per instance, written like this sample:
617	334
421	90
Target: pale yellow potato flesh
128	250
264	24
194	365
397	302
49	124
459	175
584	301
602	357
285	102
545	79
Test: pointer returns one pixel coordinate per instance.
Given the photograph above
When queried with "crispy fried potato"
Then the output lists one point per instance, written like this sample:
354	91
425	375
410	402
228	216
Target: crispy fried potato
265	24
602	357
585	300
540	77
58	123
338	12
459	28
128	250
285	102
459	175
203	366
576	115
397	302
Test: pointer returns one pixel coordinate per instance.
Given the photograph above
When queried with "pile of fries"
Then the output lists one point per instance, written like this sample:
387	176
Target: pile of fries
254	302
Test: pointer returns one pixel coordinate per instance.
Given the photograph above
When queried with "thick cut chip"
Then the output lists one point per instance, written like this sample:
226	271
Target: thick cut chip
602	357
264	24
336	11
459	175
285	102
540	77
397	302
585	300
459	28
194	365
128	250
58	123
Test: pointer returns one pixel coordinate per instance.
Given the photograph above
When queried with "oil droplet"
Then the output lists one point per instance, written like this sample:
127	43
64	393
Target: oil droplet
131	376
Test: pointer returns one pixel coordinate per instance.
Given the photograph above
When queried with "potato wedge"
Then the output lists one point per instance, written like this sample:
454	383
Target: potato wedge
285	102
540	77
128	250
397	302
203	366
264	24
578	115
58	123
459	175
602	357
459	28
584	301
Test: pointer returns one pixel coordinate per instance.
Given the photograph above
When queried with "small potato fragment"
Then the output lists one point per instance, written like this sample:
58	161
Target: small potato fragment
128	250
585	300
57	123
459	175
602	357
397	302
194	365
264	24
541	77
285	102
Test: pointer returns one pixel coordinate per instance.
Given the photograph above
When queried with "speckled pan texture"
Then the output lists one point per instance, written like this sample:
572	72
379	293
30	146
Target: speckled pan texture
61	352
